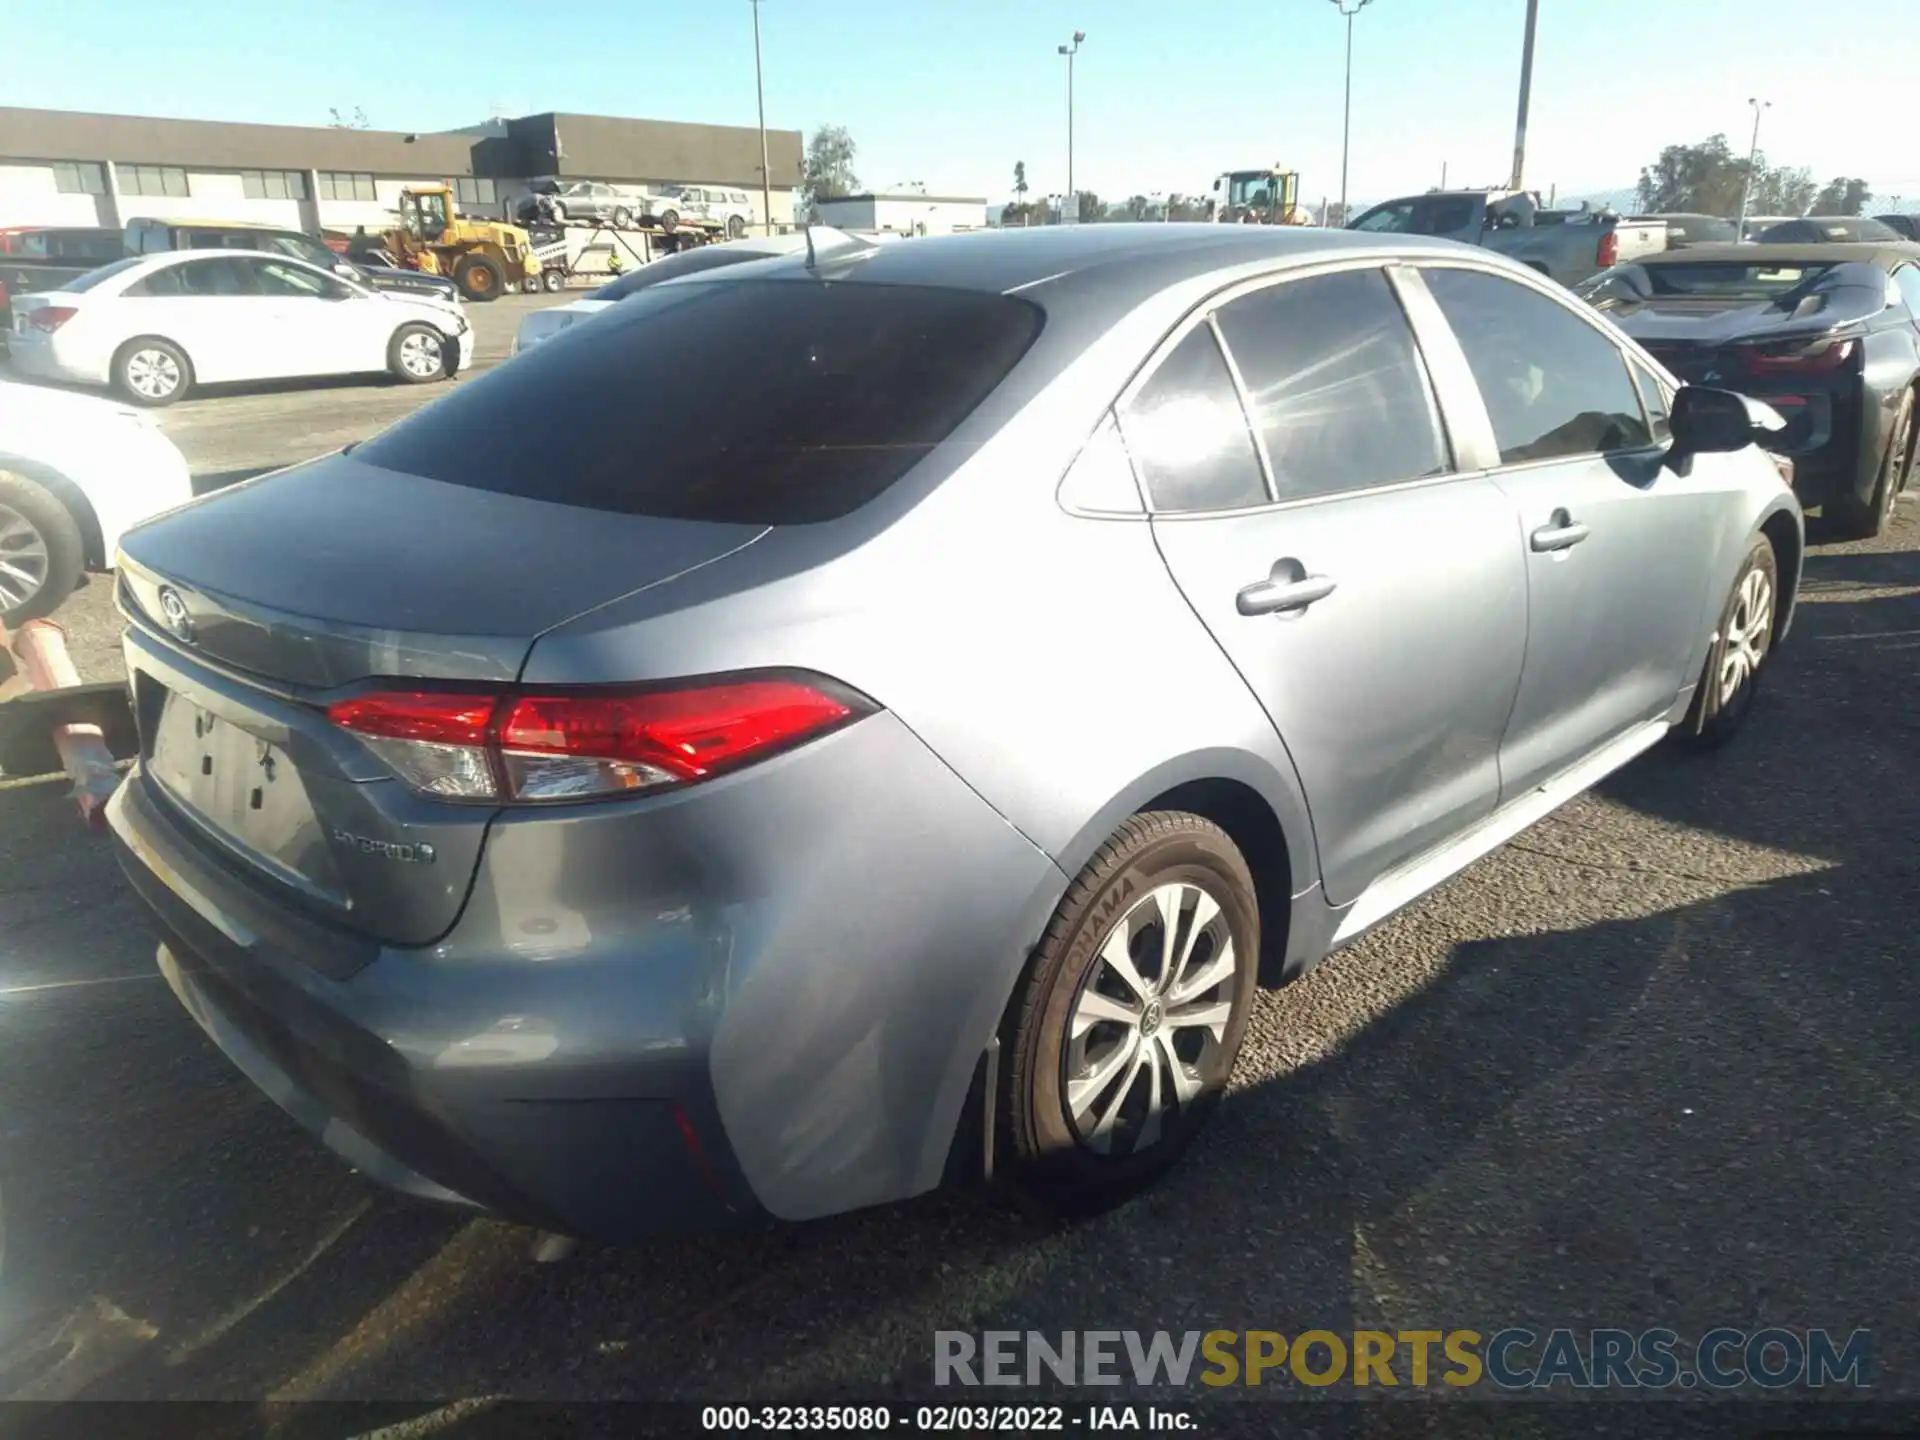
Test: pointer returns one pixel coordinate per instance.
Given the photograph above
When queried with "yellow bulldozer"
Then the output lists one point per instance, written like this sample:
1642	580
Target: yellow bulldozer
485	258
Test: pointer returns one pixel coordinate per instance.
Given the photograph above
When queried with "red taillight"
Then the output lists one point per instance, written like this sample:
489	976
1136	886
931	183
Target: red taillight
1608	255
546	747
1820	358
50	317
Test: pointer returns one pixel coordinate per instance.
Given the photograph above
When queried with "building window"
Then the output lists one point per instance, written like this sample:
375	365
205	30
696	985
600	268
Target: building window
474	192
79	177
345	185
152	180
273	184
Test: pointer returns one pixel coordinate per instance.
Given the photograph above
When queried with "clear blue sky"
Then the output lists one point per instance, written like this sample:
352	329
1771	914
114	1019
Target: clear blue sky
952	92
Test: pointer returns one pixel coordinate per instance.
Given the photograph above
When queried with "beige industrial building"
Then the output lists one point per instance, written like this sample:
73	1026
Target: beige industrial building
62	167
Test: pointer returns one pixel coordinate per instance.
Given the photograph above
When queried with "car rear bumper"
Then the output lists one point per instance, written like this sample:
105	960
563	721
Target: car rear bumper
42	360
660	1015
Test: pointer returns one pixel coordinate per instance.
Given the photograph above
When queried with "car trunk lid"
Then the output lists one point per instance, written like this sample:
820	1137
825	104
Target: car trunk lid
251	614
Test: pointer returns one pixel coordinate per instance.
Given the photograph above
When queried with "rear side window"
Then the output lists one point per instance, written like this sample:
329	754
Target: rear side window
227	277
1554	386
1336	386
1188	434
757	402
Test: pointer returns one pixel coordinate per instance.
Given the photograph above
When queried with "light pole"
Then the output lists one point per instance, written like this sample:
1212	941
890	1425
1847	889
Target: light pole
1760	107
1349	9
1073	196
1526	97
760	95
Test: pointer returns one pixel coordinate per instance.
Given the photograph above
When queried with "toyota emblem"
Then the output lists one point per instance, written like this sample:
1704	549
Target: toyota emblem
173	613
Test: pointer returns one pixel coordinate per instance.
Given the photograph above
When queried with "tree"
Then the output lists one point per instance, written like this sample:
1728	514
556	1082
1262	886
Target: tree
829	169
1841	196
1708	178
1020	183
1091	210
1782	192
357	121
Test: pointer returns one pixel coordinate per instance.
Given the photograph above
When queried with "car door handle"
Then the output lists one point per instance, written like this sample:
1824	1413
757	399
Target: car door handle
1561	532
1288	589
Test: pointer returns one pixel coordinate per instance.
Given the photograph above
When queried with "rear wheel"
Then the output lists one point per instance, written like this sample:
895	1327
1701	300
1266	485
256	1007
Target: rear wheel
41	552
669	220
736	226
622	218
1855	519
552	280
1131	1014
1730	682
417	354
480	277
152	372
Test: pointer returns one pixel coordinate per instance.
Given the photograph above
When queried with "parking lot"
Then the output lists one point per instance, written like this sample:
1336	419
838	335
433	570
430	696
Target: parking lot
1652	1064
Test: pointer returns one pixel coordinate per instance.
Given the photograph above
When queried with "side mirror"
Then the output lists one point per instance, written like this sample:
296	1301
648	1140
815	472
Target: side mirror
1216	185
1718	422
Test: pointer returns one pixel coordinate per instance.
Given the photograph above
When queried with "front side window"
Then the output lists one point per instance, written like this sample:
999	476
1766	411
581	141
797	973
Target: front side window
1336	385
1554	386
1653	395
768	402
1188	434
1391	219
294	282
1907	280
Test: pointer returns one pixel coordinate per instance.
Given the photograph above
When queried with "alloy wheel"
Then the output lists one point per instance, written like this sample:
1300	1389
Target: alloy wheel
420	355
1149	1019
1749	630
152	373
24	561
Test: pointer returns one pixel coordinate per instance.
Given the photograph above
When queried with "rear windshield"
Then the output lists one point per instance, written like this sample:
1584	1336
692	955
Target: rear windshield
766	402
1734	281
94	277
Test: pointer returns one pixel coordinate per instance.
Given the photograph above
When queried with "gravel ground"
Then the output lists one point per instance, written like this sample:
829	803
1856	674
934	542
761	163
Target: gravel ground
1652	1064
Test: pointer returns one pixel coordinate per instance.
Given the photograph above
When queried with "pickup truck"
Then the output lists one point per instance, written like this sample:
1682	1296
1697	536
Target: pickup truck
1567	245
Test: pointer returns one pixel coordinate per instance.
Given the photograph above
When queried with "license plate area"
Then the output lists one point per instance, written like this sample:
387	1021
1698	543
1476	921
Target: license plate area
244	790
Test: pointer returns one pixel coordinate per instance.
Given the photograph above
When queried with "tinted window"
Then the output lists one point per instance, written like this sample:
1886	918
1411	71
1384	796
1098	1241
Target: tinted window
198	277
1188	435
1391	219
294	282
1336	386
1445	217
1907	277
668	267
756	402
1553	384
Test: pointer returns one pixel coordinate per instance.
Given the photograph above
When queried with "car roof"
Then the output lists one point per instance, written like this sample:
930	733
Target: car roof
1111	267
1883	253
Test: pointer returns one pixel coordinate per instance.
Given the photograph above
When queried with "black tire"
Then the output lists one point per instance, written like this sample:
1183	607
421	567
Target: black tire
39	539
1849	517
1045	1157
552	282
622	218
412	345
559	213
736	226
140	364
669	220
480	277
1717	713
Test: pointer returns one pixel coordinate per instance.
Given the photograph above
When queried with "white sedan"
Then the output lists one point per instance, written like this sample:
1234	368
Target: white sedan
155	326
75	473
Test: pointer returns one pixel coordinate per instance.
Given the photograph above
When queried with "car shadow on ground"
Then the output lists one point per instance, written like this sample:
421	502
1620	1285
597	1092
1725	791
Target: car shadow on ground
1657	1090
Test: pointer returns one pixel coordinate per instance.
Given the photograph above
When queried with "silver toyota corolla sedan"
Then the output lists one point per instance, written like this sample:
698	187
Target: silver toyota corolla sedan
1011	649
